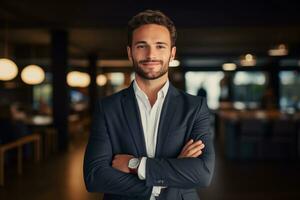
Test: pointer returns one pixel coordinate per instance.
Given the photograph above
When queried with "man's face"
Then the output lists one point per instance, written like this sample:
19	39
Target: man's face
151	51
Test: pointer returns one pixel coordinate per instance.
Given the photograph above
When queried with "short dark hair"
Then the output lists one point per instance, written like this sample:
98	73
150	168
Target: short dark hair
151	17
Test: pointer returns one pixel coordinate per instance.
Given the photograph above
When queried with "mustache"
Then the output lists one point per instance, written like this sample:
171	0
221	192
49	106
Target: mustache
146	61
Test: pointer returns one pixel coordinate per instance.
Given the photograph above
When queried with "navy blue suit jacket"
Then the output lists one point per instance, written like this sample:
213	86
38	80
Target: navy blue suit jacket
117	129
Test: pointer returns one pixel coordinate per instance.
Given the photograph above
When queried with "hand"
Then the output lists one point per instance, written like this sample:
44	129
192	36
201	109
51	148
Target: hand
192	149
120	162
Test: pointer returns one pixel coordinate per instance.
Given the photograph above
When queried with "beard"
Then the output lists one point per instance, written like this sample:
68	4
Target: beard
150	75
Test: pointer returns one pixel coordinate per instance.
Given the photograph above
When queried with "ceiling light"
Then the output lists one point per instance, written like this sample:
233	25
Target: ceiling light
33	75
248	60
101	80
229	66
78	79
8	69
280	50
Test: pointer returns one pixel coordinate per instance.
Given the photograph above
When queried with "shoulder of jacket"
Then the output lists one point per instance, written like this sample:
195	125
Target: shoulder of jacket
191	99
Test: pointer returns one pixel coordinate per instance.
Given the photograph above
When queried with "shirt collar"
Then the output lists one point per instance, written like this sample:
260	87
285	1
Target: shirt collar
161	93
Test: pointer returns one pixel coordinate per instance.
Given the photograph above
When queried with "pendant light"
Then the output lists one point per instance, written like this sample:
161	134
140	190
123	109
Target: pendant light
8	69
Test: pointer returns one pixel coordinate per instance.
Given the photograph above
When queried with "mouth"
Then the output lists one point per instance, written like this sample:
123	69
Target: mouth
151	63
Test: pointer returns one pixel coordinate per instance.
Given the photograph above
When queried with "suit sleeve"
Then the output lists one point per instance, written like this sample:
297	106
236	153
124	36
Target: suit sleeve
99	175
186	172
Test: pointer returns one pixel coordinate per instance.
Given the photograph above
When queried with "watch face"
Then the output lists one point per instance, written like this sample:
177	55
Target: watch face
133	163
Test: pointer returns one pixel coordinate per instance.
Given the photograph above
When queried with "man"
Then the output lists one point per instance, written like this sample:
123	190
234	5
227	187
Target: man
150	141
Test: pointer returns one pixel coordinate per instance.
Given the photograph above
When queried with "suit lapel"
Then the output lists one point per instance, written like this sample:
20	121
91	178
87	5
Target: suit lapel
133	118
167	113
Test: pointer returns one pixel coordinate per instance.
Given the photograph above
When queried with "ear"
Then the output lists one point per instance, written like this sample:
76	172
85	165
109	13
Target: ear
173	53
129	53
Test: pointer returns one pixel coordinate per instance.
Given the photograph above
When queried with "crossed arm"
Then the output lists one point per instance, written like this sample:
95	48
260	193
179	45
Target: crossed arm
108	173
192	149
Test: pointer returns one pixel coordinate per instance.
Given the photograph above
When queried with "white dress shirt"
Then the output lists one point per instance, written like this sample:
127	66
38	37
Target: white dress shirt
150	120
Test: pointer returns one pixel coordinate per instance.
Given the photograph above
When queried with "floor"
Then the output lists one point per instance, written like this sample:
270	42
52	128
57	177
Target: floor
60	177
237	180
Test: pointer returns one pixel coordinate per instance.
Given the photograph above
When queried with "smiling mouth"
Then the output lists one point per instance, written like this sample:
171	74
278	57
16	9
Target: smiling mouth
151	63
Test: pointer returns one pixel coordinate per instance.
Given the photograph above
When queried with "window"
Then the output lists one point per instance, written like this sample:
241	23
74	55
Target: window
209	81
289	90
249	88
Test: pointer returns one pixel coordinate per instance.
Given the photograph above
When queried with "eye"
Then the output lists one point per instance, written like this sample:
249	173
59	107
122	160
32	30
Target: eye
140	46
160	47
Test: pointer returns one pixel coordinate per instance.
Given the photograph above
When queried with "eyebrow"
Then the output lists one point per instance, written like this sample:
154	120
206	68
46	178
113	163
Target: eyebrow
144	42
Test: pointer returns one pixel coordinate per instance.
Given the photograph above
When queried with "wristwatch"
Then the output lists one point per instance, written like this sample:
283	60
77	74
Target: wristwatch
133	165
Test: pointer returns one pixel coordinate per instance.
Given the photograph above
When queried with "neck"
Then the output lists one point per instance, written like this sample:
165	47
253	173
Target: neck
151	87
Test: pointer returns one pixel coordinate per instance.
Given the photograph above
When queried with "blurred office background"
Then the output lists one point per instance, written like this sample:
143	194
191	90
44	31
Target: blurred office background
58	57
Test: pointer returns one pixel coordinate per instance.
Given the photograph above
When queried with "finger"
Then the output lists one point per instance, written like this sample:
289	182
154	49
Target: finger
187	144
194	145
194	150
190	154
200	141
191	151
195	155
202	146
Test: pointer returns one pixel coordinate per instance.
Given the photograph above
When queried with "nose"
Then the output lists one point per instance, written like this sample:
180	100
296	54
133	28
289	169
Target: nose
151	53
